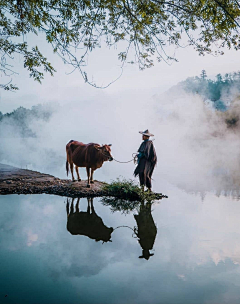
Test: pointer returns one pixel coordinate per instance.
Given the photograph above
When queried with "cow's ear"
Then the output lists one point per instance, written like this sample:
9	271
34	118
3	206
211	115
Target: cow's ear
97	147
110	145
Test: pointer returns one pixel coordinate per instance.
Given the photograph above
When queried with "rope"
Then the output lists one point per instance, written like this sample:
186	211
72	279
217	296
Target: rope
121	162
134	232
125	227
133	159
126	161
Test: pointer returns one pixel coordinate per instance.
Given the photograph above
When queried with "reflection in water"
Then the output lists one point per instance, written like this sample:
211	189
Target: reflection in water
87	223
91	225
196	257
118	204
146	229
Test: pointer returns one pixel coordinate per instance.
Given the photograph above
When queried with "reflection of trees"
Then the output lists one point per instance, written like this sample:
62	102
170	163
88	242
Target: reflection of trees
87	223
146	229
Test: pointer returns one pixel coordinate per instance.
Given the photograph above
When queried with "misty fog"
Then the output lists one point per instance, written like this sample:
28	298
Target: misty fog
197	150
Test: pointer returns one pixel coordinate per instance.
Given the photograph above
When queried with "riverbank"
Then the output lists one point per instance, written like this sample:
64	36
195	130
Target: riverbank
22	181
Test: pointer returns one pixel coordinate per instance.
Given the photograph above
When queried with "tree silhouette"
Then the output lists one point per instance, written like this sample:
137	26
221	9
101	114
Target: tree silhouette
203	75
213	90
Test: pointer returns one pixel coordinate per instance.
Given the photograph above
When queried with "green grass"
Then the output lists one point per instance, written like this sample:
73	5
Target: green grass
127	189
119	204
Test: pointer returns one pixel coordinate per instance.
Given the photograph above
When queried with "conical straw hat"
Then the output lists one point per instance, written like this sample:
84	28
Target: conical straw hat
146	132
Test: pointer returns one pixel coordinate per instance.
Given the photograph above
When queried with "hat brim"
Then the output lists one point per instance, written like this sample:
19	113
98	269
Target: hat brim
146	134
146	256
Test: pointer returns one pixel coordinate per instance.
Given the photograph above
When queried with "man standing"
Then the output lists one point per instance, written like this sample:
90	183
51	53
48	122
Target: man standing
147	160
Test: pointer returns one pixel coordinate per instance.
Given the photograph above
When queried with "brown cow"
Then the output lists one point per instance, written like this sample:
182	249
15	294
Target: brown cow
91	156
87	223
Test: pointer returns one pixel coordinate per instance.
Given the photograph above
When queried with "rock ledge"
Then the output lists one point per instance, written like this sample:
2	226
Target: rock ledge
22	181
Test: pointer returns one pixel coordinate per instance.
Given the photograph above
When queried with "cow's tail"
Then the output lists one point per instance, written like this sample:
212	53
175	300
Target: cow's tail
67	166
68	155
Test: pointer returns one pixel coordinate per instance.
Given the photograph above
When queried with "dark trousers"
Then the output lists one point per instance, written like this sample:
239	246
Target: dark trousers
145	180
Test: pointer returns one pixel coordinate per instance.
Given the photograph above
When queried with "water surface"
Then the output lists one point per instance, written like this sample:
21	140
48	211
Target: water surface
196	253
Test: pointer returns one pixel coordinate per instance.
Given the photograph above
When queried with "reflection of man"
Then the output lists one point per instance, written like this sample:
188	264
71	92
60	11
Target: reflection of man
147	160
146	230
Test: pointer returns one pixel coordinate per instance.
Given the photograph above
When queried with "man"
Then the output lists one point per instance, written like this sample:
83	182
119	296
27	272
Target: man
147	160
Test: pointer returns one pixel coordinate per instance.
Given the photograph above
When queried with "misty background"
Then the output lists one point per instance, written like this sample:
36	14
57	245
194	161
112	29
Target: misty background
195	124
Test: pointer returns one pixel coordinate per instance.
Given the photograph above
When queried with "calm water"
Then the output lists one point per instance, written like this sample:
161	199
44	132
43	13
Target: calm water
196	252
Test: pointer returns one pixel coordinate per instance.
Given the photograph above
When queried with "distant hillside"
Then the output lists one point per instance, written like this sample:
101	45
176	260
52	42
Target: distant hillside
21	119
221	91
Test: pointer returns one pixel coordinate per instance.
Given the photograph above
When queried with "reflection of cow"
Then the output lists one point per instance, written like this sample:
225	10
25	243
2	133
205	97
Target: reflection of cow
146	230
87	223
90	156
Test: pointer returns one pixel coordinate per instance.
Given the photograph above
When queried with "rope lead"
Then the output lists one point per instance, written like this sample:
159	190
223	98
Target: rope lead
133	159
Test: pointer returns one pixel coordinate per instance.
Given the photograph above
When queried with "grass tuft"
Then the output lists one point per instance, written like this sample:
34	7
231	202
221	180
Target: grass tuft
127	189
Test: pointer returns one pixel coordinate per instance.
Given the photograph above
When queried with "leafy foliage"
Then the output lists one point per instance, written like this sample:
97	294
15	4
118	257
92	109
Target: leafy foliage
125	196
84	25
127	189
218	91
121	205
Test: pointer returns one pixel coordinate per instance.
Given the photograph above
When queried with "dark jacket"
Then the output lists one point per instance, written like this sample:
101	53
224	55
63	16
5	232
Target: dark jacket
147	160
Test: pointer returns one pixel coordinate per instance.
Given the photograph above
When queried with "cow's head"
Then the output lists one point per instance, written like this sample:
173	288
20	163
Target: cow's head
105	151
105	235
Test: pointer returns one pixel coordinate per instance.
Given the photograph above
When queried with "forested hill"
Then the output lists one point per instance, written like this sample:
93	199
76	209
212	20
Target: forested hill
21	119
221	91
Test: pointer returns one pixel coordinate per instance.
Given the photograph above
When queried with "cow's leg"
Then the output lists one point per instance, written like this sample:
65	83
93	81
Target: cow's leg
71	208
88	176
91	180
77	205
88	208
78	176
91	204
67	207
71	167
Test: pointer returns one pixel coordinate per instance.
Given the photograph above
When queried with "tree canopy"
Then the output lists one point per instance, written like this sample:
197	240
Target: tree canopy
147	27
221	91
22	118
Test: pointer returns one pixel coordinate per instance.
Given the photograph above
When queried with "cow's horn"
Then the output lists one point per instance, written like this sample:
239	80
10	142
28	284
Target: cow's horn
97	147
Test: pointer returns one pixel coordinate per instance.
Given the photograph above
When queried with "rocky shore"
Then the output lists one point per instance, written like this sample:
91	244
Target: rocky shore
22	181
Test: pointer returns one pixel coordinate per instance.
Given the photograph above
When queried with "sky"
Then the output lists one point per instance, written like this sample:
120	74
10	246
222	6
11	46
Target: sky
104	67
